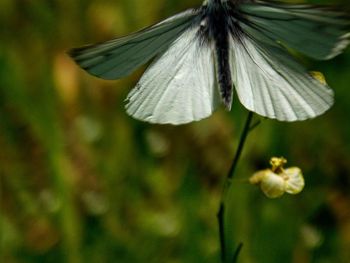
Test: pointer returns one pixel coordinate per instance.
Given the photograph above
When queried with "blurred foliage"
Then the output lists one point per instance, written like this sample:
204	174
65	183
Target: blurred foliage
83	182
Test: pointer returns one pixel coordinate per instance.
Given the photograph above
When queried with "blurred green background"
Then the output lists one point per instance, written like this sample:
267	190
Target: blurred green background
83	182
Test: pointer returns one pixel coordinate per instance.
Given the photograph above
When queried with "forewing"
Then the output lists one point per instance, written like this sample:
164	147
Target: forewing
271	83
179	86
318	32
120	57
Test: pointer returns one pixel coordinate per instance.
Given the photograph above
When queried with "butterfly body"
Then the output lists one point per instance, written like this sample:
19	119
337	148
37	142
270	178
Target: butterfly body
218	25
207	53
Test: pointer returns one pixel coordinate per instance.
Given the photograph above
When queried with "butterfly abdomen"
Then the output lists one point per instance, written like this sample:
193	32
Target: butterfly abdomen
218	28
223	71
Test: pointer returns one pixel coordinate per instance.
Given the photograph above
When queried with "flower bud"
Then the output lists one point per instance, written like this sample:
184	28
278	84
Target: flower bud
276	181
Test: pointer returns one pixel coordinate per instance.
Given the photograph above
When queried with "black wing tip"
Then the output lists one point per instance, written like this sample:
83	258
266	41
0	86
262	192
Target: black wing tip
74	52
340	8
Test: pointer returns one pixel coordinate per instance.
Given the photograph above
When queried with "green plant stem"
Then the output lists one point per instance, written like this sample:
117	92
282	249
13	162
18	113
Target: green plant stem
239	150
221	214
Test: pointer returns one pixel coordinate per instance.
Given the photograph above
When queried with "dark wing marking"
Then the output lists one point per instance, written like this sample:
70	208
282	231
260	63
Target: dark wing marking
318	32
118	58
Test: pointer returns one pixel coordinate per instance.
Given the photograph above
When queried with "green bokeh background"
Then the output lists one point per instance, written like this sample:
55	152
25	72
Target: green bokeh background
81	181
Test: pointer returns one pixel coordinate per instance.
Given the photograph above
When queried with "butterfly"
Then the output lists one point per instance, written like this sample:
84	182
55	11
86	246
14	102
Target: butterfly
203	56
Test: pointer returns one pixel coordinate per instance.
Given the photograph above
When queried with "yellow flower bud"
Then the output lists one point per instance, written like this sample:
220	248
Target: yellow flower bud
318	76
276	181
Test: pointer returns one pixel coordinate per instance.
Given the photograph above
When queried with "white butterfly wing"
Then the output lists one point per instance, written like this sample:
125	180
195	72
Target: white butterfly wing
316	31
118	58
271	83
179	86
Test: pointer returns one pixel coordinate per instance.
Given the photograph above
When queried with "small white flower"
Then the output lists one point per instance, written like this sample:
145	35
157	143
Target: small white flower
276	181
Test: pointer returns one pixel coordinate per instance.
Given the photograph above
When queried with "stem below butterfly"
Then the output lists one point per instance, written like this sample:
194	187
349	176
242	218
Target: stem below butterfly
221	213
